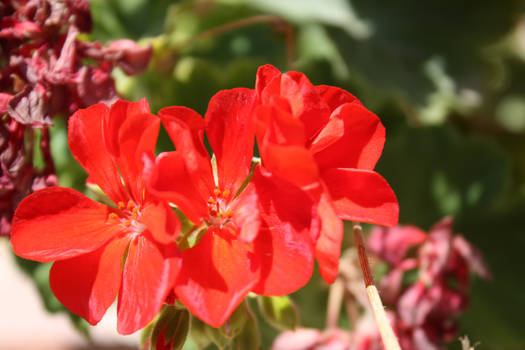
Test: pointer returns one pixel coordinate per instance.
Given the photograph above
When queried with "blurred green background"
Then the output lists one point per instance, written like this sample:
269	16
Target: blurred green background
447	78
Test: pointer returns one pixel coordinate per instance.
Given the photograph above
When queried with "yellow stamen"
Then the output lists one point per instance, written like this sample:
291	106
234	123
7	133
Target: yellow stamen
226	193
113	216
212	200
121	205
127	223
131	205
227	214
135	213
217	192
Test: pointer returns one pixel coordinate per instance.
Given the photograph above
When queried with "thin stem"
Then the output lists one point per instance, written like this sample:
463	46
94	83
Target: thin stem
351	308
335	299
385	329
278	22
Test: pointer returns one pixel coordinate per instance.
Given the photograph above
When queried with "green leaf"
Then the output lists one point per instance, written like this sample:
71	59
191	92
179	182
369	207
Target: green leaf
236	323
198	333
192	237
249	338
145	335
280	312
217	336
338	13
324	49
438	171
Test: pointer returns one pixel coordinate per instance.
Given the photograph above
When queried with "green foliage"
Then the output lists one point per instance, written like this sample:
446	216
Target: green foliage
249	338
280	312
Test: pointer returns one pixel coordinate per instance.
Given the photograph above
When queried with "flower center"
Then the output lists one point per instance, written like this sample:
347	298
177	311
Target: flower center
219	212
127	216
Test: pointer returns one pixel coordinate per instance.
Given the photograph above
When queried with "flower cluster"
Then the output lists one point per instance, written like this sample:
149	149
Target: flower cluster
18	178
44	73
255	225
423	311
427	309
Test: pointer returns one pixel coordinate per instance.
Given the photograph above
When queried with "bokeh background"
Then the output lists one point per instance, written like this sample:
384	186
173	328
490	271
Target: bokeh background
447	79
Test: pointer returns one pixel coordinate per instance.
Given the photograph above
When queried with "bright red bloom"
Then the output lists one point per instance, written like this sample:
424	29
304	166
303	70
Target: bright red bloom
102	251
323	139
258	236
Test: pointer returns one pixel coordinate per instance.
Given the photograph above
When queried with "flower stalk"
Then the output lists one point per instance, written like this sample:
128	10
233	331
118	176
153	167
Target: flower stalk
385	329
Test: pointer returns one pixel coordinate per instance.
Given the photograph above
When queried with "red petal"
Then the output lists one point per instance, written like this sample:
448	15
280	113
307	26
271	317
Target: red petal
169	179
4	101
215	276
231	131
277	125
119	112
148	277
86	142
265	75
390	285
293	163
303	339
353	138
328	246
88	284
362	195
246	214
472	256
391	244
301	95
334	96
137	135
186	130
284	244
417	302
161	221
305	102
59	223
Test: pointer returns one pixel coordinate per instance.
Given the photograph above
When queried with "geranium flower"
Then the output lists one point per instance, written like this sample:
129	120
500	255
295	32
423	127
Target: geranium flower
101	251
257	231
323	139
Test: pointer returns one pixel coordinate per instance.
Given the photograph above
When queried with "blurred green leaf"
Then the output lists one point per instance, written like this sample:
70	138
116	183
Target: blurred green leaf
236	323
338	13
249	338
280	312
439	171
217	337
70	173
198	333
324	49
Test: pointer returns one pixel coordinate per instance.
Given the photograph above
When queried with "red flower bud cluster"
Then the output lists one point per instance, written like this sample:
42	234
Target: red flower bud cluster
424	311
46	72
43	74
18	177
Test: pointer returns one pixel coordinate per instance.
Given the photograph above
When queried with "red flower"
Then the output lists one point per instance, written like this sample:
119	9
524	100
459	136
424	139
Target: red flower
323	139
102	251
258	236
